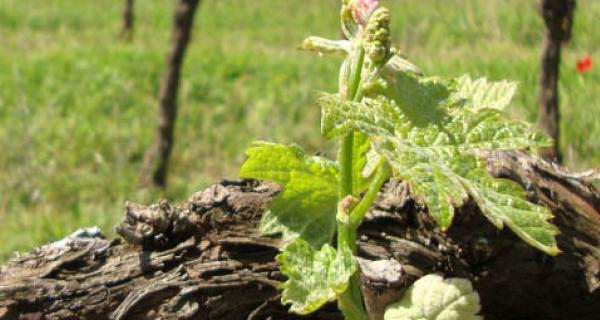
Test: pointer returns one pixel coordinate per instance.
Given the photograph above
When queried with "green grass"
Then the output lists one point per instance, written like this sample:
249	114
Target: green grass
78	107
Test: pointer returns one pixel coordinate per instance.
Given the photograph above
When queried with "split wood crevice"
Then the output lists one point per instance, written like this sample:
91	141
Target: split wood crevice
205	259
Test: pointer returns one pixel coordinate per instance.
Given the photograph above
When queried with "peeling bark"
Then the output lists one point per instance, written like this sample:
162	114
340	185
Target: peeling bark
205	259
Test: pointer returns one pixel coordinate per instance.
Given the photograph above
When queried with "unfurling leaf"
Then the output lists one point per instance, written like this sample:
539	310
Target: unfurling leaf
306	205
429	140
314	277
433	298
322	45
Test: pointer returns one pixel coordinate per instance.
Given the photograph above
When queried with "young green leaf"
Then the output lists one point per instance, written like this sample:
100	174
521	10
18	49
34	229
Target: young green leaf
422	99
314	277
482	94
449	127
433	298
503	203
428	140
306	205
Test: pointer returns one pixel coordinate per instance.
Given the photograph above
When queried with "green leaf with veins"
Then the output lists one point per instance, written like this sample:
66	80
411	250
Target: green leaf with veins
482	94
435	298
422	99
306	205
314	277
428	139
503	201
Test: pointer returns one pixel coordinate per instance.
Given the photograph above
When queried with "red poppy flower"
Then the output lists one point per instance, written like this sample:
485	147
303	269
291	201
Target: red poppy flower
584	64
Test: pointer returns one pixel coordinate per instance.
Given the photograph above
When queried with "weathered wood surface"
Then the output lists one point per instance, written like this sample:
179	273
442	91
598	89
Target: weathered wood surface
204	259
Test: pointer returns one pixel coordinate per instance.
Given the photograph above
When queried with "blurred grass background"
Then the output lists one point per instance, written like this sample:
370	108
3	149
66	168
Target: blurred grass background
78	107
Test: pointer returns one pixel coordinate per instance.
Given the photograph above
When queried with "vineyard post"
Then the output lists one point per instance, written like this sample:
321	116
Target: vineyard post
128	17
558	18
157	158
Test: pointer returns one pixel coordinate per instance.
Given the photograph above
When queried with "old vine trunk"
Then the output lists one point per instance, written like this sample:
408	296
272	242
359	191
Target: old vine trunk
205	259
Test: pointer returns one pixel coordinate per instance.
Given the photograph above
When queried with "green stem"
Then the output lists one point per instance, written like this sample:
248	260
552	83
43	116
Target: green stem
345	155
345	162
350	302
353	86
359	212
347	302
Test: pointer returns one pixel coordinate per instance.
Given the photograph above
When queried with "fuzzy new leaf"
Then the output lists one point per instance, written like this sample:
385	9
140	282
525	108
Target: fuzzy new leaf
314	277
428	139
434	298
306	205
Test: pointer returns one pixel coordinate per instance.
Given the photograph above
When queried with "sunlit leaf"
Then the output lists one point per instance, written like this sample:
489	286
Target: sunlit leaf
482	94
428	138
306	205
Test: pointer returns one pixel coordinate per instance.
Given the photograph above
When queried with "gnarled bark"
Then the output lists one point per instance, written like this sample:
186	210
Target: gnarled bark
205	259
